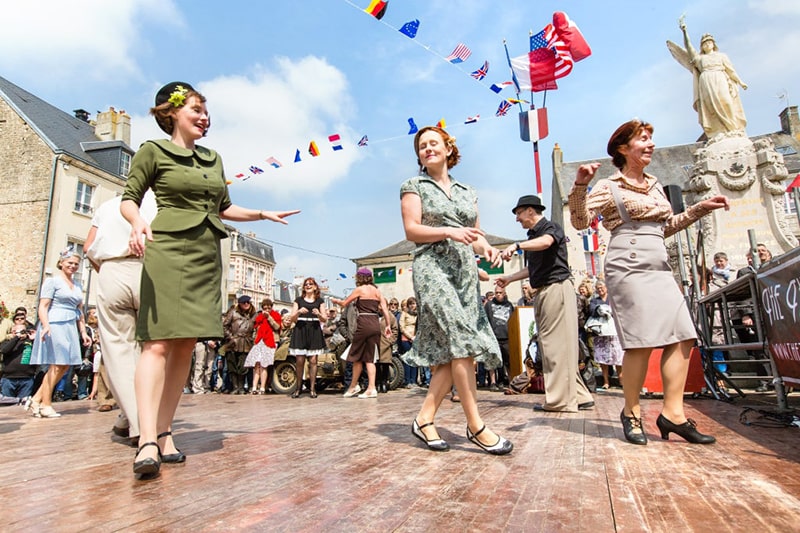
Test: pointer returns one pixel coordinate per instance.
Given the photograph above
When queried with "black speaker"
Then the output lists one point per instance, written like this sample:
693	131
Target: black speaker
675	197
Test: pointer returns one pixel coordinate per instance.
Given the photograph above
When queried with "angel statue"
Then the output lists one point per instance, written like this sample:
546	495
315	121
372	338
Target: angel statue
716	85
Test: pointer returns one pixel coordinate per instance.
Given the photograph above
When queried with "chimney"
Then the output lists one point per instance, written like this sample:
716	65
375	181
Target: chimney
790	122
113	125
81	114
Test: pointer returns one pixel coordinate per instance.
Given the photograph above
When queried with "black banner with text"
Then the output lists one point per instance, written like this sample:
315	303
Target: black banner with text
779	296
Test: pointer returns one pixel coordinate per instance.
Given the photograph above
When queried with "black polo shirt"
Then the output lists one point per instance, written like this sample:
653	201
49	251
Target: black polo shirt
550	265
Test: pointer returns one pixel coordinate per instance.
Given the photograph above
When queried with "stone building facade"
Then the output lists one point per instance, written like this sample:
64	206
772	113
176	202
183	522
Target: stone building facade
54	171
251	268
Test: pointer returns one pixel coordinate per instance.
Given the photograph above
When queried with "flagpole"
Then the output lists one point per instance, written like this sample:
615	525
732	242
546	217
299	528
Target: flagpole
536	167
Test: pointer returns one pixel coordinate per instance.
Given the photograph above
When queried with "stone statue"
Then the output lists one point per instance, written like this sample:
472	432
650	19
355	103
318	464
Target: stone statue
716	85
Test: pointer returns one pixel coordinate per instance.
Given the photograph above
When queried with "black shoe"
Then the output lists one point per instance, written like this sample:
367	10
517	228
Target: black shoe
687	430
173	458
438	445
147	468
586	406
501	447
121	432
296	393
629	424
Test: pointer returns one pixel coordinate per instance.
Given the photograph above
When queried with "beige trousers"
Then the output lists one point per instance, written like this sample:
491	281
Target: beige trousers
117	308
556	310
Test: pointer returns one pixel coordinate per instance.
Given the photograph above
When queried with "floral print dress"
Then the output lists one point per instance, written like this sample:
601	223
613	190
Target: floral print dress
451	323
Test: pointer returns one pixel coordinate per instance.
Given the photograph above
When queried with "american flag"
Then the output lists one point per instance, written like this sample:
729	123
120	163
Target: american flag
461	53
481	72
502	110
255	170
548	41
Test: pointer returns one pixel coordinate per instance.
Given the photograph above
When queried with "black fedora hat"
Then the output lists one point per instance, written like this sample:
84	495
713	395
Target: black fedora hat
529	200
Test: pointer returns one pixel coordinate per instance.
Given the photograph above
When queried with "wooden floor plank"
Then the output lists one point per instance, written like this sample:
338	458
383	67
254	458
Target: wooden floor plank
272	463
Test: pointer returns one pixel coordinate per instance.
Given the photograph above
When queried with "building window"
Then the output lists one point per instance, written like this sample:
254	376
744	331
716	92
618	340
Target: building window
249	278
81	273
83	198
125	164
788	203
262	281
231	273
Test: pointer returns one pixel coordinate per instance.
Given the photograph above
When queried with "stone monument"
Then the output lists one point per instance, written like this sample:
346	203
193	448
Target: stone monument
749	173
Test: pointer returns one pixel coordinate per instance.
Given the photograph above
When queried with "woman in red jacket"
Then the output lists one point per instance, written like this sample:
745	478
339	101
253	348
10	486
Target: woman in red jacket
262	355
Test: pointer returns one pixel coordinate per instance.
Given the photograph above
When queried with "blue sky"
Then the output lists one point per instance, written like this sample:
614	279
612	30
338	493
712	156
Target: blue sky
279	74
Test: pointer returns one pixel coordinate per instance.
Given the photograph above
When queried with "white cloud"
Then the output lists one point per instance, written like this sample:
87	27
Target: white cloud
93	38
272	113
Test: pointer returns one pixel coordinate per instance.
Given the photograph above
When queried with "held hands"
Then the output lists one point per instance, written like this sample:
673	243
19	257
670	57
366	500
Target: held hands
501	282
509	252
493	256
586	173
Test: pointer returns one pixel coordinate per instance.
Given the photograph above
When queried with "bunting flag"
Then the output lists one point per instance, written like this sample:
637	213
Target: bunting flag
517	101
297	156
377	8
342	275
481	72
410	28
312	149
497	87
336	141
240	175
363	141
274	162
472	120
412	127
441	124
533	124
255	170
794	184
460	54
502	110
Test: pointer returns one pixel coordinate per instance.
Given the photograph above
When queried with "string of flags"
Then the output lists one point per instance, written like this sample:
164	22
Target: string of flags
553	53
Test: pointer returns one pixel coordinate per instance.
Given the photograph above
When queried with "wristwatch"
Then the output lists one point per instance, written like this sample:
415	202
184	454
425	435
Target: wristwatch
519	248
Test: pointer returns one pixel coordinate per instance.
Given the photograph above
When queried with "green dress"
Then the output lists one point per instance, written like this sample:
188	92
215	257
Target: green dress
180	294
451	323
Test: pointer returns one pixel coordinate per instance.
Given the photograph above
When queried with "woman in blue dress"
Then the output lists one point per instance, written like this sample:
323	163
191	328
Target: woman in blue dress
440	215
60	332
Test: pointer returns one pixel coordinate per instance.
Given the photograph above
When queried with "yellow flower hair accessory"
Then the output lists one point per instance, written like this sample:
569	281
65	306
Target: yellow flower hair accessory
178	97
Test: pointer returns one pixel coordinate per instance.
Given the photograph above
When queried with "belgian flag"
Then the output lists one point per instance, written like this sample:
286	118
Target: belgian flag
377	8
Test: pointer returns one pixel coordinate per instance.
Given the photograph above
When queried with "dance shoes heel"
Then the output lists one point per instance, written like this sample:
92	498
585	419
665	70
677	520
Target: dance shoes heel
687	430
368	395
172	458
438	445
148	467
501	447
630	425
46	412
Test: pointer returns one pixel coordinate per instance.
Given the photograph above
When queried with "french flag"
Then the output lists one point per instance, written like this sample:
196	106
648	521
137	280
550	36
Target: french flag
591	241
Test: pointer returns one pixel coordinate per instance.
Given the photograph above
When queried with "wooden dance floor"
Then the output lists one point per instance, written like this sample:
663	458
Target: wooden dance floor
272	463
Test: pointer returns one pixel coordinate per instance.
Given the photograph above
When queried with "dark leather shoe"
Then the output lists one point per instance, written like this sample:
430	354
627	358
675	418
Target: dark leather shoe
586	406
173	458
687	430
633	428
148	467
438	445
501	447
121	432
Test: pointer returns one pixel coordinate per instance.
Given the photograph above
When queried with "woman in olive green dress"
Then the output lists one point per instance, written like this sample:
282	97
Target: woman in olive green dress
182	274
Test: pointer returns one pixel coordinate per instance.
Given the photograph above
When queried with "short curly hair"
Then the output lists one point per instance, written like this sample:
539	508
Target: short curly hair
623	136
449	141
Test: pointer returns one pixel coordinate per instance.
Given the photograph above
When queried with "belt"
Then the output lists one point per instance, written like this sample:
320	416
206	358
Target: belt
308	319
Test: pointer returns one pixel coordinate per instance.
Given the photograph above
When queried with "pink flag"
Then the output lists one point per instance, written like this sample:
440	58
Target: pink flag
569	33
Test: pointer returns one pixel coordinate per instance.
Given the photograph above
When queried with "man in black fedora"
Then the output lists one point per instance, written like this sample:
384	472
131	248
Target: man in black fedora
554	304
